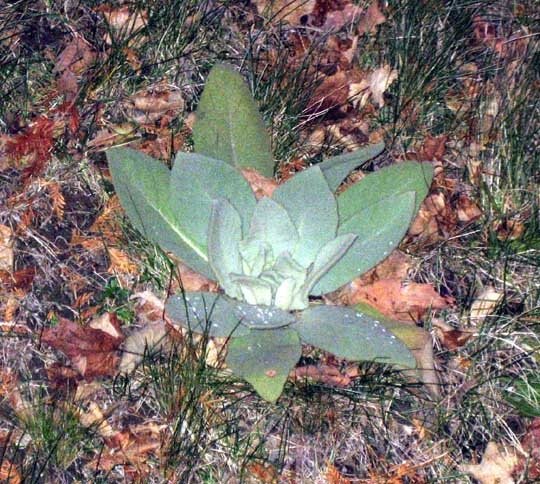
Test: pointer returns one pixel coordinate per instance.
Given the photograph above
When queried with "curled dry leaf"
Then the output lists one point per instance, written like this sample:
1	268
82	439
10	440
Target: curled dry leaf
157	332
290	11
496	466
484	305
396	300
6	248
159	101
374	84
149	339
124	18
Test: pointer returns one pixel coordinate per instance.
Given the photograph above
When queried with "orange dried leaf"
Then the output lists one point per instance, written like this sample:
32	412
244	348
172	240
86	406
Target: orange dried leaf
261	186
265	473
92	351
372	18
396	300
333	476
9	473
158	102
58	200
192	281
120	262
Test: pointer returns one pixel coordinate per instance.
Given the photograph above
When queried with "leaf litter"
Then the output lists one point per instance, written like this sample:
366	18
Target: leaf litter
343	109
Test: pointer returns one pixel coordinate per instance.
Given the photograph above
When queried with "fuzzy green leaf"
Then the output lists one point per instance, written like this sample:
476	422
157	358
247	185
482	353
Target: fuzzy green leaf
263	317
352	335
264	359
384	184
141	183
313	210
419	342
229	126
195	182
254	291
224	234
380	227
328	257
271	223
337	168
206	312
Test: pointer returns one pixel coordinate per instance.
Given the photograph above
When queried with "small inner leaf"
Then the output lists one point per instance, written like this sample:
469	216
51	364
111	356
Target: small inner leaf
224	234
313	210
271	223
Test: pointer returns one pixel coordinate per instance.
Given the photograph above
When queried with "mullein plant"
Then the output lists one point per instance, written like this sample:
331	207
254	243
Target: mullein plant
270	256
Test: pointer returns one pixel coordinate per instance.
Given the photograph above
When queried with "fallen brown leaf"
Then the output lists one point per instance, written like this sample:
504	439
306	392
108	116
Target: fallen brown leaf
329	375
6	248
333	476
396	266
9	473
496	466
265	473
467	210
192	281
531	444
396	300
93	352
484	305
454	338
290	11
76	57
372	18
261	186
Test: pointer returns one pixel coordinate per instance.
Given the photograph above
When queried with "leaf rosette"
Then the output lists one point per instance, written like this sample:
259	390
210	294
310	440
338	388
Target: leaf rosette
270	256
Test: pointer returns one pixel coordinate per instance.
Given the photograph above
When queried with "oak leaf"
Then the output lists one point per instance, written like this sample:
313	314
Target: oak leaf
92	351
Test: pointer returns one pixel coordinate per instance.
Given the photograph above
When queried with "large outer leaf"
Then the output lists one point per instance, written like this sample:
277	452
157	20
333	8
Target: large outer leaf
142	186
337	168
261	317
224	234
206	311
313	210
409	176
271	223
264	359
195	182
352	335
419	342
380	228
229	126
